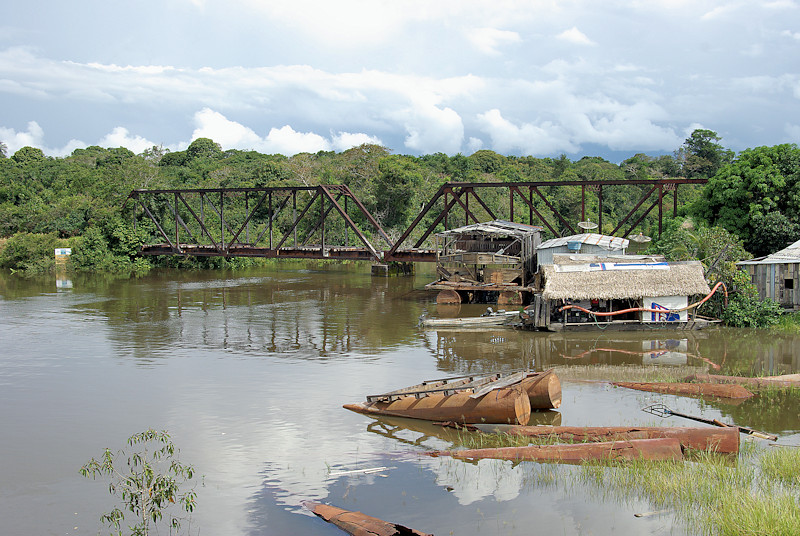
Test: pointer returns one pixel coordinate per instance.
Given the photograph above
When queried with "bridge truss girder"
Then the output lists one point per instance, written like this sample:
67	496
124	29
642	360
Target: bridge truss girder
260	222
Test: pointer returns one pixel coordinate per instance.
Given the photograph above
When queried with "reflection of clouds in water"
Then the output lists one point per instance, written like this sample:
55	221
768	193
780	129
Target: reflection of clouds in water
272	424
473	482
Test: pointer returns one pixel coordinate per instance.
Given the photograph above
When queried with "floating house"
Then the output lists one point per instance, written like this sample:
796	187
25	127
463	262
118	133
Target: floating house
486	263
777	276
585	244
585	292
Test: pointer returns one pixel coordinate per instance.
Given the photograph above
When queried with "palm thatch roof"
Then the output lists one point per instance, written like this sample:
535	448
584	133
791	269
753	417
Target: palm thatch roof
621	282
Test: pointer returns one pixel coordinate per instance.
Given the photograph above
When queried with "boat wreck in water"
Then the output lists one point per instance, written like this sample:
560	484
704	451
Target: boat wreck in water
495	398
668	448
359	524
719	440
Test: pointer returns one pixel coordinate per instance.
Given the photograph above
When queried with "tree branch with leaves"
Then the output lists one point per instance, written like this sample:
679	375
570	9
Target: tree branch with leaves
148	480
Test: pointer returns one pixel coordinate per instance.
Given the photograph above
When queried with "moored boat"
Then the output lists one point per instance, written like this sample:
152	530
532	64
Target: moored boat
497	318
495	398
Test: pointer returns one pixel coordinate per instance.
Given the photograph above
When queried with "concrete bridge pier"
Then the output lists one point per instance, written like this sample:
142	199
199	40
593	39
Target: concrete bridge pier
392	269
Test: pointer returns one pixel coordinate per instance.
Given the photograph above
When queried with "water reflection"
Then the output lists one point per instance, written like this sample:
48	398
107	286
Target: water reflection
249	372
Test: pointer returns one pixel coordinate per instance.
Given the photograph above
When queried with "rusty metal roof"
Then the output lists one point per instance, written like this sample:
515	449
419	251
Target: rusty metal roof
496	227
787	255
611	243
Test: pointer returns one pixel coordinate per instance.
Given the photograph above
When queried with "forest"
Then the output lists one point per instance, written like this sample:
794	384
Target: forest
749	207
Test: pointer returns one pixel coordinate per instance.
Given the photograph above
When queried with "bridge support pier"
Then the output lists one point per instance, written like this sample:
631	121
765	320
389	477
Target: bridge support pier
392	268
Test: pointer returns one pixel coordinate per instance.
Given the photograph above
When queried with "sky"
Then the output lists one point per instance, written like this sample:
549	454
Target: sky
522	77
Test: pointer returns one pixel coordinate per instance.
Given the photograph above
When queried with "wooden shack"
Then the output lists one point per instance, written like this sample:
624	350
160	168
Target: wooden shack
493	262
583	292
777	276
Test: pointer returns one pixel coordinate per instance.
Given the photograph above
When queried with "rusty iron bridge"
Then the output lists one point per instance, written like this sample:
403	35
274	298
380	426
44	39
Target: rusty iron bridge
329	222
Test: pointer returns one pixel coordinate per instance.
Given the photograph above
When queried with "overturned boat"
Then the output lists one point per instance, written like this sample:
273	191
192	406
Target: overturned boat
500	398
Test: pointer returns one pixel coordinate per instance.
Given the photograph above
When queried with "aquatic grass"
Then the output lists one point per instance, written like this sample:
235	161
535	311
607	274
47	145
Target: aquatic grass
748	514
782	464
616	373
718	497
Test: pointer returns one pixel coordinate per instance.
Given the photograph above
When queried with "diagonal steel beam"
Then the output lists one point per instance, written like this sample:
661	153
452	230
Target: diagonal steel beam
350	223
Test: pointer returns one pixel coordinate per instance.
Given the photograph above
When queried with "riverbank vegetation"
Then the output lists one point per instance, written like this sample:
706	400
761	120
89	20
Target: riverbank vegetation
749	207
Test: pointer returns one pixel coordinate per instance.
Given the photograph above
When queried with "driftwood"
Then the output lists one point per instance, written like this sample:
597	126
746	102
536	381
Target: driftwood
359	524
721	440
787	380
637	449
510	404
690	389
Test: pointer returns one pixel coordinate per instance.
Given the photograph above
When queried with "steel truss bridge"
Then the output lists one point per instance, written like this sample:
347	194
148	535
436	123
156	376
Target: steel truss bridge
329	222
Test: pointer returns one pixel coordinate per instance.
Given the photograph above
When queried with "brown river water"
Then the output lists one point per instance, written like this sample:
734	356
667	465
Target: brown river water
248	372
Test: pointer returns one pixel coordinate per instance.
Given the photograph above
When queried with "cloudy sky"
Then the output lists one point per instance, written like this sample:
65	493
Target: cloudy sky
535	77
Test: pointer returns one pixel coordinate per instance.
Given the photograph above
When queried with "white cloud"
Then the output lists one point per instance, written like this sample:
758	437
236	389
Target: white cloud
120	137
287	141
33	137
347	140
488	40
229	134
575	36
432	129
545	138
284	140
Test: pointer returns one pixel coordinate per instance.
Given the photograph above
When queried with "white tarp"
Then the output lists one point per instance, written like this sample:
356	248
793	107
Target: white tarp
604	266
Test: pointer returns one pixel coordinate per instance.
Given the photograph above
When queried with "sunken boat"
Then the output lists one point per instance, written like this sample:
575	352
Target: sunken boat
497	398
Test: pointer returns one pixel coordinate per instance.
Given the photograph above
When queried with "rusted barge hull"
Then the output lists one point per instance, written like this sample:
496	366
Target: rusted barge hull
721	440
637	449
509	405
690	389
359	524
786	380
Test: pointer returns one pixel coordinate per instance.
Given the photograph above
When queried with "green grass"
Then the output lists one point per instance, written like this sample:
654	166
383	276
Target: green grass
758	495
631	373
788	323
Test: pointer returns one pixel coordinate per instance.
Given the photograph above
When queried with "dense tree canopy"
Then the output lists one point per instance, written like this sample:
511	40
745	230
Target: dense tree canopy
757	197
81	197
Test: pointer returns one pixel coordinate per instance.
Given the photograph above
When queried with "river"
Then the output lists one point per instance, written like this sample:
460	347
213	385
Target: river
248	372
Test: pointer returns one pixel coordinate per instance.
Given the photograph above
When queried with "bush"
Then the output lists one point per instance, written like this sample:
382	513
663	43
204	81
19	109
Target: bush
30	253
745	308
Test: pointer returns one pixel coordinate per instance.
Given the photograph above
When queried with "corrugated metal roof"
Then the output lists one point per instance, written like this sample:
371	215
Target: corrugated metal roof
496	227
611	243
790	254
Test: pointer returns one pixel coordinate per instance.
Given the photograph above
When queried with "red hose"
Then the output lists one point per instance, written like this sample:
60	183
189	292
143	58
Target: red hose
647	309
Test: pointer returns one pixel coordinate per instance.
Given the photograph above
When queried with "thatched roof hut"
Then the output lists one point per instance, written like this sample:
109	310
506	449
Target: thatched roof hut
616	281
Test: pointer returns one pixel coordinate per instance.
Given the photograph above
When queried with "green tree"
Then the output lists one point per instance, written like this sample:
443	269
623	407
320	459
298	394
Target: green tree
486	161
27	155
147	480
758	190
203	147
702	155
395	188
